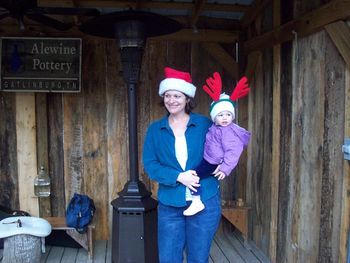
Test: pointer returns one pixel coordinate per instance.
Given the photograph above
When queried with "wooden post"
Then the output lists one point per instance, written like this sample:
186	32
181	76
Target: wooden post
26	151
345	222
276	129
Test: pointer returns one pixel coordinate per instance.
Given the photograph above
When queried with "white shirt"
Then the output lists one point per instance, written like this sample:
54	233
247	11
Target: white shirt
182	156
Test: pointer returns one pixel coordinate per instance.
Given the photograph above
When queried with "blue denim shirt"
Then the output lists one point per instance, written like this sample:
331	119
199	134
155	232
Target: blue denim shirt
160	161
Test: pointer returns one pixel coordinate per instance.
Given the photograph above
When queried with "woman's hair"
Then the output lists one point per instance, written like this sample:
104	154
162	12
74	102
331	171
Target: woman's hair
190	104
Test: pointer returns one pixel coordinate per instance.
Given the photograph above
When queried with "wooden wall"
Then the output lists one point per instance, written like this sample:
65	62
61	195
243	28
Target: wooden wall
313	176
85	147
293	175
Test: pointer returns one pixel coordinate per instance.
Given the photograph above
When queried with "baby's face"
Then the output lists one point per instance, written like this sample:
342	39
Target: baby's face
224	118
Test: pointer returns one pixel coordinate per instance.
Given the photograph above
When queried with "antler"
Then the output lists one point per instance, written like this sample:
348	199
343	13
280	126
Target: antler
241	89
214	88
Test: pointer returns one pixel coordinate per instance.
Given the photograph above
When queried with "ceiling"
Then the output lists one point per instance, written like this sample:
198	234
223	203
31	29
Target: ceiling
197	14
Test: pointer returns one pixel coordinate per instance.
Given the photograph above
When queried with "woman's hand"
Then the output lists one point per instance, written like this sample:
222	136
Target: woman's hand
189	179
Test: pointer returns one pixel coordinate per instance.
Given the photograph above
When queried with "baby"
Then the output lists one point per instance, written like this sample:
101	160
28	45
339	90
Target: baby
225	140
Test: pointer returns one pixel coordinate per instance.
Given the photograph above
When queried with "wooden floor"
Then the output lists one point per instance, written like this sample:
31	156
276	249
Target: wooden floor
228	247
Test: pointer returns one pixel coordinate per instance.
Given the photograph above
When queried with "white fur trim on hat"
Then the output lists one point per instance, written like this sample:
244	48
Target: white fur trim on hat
177	84
223	104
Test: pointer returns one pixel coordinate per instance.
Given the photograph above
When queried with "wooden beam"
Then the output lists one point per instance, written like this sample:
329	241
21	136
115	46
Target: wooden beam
253	12
276	138
196	11
225	59
205	35
149	5
340	35
184	35
345	205
305	25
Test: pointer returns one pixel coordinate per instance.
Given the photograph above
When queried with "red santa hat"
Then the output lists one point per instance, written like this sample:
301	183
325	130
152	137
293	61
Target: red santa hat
177	80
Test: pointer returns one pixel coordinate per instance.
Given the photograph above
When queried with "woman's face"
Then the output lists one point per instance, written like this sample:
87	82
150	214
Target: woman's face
175	101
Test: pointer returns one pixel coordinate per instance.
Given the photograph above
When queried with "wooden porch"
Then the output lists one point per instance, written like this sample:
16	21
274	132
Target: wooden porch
227	247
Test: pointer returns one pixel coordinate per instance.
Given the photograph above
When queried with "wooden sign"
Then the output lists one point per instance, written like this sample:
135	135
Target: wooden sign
40	64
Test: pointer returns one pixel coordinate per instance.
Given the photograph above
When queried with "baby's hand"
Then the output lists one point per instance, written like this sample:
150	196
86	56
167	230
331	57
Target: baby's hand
217	169
220	175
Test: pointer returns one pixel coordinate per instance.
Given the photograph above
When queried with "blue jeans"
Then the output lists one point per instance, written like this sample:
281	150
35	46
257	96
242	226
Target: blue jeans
195	233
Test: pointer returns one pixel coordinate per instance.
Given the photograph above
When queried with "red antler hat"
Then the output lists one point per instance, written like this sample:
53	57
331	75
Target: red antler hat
224	102
177	80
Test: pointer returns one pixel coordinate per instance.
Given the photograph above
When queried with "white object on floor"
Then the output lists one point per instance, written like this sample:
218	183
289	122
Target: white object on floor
27	225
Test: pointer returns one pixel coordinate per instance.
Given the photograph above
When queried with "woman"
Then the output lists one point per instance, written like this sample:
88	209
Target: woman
173	147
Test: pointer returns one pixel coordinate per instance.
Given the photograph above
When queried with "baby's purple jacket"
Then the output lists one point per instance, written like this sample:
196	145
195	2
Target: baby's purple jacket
224	146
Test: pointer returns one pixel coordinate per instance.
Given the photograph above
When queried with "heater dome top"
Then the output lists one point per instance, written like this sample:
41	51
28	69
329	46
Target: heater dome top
153	24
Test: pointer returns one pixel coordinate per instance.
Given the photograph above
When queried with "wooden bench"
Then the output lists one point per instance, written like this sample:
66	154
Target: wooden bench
86	240
237	216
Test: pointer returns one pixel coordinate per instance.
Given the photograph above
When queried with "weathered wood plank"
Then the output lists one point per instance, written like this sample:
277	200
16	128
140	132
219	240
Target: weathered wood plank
95	144
252	60
241	248
116	128
250	246
8	153
276	132
331	181
216	253
285	196
69	255
42	146
307	141
231	253
259	149
55	254
56	154
109	252
340	34
26	152
154	57
345	206
100	252
72	144
82	256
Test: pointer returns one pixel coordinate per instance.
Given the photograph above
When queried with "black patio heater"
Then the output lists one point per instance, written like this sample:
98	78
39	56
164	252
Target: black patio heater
134	230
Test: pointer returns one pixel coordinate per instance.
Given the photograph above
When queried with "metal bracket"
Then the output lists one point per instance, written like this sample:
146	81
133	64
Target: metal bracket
346	149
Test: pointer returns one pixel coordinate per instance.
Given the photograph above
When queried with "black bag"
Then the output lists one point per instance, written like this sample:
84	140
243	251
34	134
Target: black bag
80	211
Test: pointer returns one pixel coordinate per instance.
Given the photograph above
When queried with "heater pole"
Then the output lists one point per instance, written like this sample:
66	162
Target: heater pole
132	121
